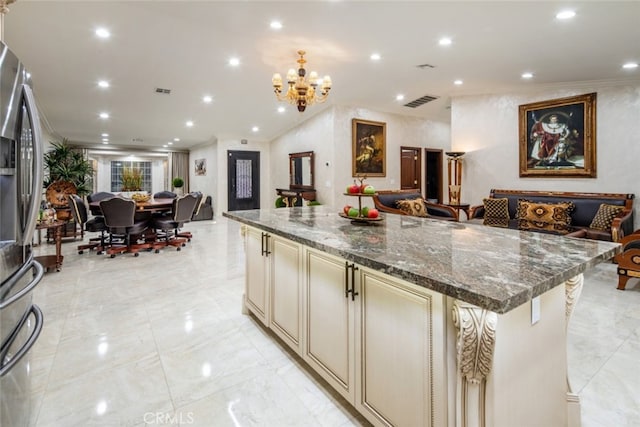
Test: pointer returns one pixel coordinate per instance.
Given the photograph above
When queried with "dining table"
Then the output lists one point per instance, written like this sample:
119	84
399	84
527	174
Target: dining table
151	205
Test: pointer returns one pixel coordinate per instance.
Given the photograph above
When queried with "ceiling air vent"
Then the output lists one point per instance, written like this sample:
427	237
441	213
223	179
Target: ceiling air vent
163	91
425	66
420	101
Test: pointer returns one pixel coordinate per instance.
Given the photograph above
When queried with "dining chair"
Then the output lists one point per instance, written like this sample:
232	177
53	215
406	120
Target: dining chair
183	208
95	224
97	197
165	195
119	218
187	234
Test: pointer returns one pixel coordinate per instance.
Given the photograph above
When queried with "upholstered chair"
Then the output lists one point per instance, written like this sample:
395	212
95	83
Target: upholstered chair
95	224
119	218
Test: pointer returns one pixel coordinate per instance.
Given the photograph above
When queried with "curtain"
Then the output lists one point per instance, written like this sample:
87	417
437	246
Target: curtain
179	165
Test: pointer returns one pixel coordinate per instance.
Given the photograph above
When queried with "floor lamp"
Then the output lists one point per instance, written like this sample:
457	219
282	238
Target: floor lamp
454	164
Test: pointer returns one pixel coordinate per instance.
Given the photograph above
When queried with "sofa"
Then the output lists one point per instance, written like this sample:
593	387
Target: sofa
587	217
204	211
389	201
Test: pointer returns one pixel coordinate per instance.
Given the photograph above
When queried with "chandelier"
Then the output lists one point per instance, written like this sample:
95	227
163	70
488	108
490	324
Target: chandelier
302	92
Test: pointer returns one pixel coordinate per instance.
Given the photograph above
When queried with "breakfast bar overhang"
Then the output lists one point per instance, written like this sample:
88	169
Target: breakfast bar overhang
419	321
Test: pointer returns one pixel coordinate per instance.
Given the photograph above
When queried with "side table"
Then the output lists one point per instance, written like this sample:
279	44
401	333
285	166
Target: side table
49	261
460	207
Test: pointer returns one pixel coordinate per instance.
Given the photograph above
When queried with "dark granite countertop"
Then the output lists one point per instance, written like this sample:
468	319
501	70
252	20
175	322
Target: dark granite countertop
493	268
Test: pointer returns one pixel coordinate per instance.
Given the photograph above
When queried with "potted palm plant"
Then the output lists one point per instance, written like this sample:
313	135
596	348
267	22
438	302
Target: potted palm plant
64	163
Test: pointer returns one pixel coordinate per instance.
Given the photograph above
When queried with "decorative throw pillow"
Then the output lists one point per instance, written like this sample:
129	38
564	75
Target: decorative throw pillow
413	207
534	215
604	217
496	212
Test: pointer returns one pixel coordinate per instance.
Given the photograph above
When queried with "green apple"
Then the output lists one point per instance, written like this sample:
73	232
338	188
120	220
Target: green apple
365	211
353	212
369	190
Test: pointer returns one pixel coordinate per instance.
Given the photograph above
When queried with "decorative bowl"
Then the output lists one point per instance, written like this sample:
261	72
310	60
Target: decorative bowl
141	197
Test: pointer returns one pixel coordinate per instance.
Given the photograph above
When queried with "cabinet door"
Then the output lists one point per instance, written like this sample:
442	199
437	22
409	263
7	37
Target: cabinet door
400	352
257	274
329	316
286	291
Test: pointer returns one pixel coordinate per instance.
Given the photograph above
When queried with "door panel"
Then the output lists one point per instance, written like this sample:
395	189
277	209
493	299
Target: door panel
410	163
433	175
243	177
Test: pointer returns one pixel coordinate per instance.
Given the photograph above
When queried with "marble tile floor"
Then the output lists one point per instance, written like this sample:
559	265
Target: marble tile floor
160	340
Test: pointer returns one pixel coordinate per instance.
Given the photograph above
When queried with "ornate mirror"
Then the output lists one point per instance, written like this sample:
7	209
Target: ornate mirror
301	170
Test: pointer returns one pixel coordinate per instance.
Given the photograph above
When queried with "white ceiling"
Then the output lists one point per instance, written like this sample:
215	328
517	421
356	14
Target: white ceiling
185	46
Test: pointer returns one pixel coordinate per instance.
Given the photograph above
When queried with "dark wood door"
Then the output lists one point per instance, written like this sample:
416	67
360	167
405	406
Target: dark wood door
433	174
243	177
410	164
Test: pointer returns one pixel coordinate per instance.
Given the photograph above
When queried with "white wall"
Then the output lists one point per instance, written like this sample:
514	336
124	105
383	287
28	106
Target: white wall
328	134
208	183
486	127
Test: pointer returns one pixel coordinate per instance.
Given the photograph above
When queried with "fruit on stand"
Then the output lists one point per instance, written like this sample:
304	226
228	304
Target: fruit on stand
353	212
365	211
373	213
346	209
369	189
353	188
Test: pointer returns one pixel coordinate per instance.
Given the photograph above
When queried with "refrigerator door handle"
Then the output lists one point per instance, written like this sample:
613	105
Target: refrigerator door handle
38	162
17	276
37	313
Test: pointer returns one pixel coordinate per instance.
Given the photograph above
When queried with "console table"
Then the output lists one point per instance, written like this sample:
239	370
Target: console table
294	197
422	322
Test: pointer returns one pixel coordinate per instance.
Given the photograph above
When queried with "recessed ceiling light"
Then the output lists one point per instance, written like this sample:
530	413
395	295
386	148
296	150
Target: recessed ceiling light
527	75
375	57
103	84
457	82
565	14
189	123
630	65
165	146
105	139
104	115
28	75
104	135
276	25
281	109
234	62
176	139
105	142
399	97
103	33
445	41
169	143
207	99
255	129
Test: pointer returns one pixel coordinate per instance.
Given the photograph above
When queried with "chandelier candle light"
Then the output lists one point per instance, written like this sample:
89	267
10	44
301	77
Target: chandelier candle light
302	92
454	161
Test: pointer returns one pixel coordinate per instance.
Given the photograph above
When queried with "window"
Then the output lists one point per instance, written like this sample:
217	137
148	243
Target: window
116	174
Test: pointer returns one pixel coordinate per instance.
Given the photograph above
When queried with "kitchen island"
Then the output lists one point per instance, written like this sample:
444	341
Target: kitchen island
419	321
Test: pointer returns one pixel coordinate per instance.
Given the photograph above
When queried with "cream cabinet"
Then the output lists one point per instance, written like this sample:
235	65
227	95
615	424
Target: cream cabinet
377	340
273	290
286	291
257	273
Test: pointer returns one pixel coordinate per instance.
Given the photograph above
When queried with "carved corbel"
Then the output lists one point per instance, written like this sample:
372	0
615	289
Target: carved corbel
475	346
4	9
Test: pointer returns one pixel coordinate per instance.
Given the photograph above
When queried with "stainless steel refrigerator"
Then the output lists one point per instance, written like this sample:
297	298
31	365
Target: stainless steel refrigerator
20	193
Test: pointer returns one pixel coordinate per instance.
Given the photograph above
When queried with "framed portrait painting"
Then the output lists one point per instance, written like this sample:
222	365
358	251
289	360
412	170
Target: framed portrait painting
201	167
558	137
368	147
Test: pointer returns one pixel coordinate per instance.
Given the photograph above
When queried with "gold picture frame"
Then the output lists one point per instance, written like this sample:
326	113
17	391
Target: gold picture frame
558	137
369	151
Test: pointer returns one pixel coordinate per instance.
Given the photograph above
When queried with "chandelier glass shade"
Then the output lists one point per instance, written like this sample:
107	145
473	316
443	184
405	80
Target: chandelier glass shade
302	92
